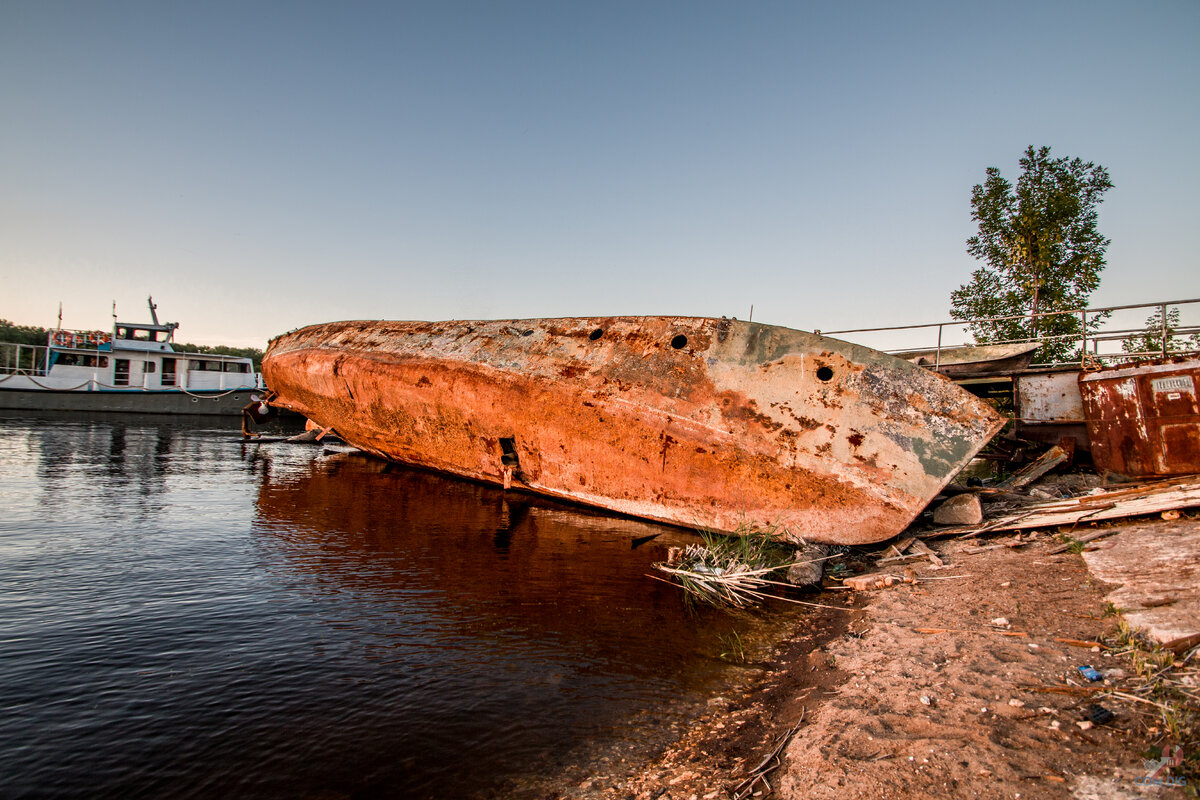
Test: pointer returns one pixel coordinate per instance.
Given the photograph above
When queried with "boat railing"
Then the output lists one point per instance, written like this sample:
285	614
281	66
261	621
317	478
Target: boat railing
23	359
1122	333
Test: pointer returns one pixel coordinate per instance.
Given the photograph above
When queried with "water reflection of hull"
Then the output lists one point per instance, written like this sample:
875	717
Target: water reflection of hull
468	552
683	420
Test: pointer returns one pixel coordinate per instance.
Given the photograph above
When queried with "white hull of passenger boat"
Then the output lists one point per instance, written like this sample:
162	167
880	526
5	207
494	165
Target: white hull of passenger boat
135	369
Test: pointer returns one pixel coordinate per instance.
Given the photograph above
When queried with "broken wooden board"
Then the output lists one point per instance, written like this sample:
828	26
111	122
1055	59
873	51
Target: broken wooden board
920	552
1047	461
920	547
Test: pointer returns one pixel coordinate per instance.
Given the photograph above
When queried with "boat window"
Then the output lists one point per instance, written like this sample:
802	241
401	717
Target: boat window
149	366
234	366
168	372
121	372
64	359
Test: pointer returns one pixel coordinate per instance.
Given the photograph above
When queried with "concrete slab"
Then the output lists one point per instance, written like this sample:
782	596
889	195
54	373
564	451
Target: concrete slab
1156	566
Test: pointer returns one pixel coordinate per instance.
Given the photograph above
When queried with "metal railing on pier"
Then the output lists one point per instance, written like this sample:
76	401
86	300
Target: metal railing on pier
1120	333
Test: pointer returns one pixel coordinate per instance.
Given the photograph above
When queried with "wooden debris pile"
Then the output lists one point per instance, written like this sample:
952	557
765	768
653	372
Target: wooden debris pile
1022	505
1024	512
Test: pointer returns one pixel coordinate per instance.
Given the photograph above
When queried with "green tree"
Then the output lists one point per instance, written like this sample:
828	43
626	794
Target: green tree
1158	337
1041	253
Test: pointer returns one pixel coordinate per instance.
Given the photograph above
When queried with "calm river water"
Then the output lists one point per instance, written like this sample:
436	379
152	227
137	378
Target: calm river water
182	614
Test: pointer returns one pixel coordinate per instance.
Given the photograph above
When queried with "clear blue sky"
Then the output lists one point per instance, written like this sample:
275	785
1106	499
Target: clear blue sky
260	166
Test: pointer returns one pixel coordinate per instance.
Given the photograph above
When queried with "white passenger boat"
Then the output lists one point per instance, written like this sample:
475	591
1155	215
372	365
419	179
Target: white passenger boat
134	368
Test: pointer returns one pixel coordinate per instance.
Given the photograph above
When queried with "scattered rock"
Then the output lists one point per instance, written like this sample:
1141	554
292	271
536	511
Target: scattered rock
963	509
810	565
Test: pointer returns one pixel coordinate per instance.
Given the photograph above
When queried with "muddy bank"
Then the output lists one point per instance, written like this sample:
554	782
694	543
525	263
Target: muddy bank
964	684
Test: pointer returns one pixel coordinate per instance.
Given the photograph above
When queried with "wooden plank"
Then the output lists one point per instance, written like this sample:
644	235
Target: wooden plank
1047	461
1103	507
1062	548
925	550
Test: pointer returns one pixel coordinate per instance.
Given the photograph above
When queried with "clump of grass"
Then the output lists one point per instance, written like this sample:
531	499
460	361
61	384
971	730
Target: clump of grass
732	647
1163	688
1073	545
730	570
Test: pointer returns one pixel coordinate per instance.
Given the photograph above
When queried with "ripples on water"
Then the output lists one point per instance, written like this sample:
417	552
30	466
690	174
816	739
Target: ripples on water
187	615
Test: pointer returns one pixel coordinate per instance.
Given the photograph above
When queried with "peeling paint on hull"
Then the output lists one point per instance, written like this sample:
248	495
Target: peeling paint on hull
692	421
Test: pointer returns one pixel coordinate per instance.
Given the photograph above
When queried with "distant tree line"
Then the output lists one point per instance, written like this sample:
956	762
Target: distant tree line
38	336
252	353
22	334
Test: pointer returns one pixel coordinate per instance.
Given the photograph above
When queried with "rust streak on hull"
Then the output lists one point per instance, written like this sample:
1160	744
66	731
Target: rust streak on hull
691	421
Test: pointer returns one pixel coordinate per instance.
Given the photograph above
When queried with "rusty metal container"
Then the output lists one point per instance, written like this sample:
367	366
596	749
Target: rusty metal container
1144	419
698	422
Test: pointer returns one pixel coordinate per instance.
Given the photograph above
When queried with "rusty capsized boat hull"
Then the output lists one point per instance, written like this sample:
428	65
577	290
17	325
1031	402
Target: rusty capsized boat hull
692	421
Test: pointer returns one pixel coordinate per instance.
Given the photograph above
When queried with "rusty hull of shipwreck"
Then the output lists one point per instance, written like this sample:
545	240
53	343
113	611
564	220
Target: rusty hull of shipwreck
693	421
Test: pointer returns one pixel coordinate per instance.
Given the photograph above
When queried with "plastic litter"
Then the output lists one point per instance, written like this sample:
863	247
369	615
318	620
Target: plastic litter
1090	673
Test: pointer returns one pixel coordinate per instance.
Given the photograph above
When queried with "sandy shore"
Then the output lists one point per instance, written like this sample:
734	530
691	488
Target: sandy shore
922	690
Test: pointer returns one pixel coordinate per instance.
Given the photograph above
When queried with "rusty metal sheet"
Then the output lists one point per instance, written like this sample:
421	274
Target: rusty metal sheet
1050	397
1050	408
1144	419
693	421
